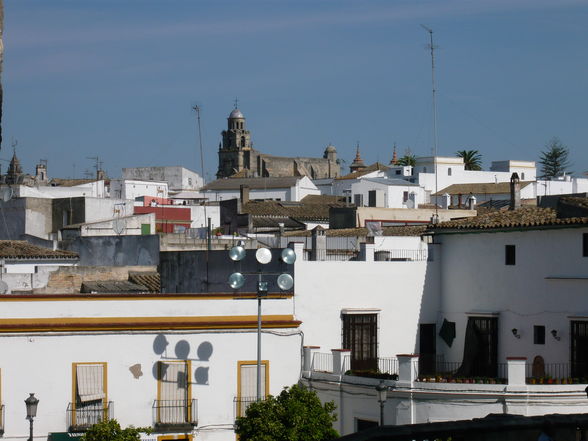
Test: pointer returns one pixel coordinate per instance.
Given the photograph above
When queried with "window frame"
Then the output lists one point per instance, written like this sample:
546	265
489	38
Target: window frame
266	392
538	334
188	398
74	390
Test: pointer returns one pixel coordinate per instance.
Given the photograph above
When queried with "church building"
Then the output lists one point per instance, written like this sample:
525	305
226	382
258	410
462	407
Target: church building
238	158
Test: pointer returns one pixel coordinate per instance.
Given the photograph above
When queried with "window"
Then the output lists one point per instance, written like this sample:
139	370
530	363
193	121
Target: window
89	404
480	348
539	335
522	176
509	255
360	335
449	171
174	405
397	172
424	169
247	384
405	196
585	244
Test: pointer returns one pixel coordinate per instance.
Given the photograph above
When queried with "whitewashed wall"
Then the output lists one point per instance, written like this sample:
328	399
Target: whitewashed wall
476	280
42	362
132	189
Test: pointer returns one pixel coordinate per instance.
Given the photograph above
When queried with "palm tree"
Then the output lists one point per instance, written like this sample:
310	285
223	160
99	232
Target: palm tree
472	159
407	159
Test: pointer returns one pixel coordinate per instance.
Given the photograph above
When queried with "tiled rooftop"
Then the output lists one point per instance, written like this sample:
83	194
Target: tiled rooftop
295	210
523	217
411	230
365	171
20	249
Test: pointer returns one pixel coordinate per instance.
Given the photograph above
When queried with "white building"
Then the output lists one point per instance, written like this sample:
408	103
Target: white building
182	364
292	188
132	189
387	193
178	178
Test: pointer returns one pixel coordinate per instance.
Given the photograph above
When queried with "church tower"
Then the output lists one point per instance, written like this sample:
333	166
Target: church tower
234	154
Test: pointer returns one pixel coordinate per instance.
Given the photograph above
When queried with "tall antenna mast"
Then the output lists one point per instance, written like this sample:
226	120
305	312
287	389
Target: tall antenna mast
197	109
432	47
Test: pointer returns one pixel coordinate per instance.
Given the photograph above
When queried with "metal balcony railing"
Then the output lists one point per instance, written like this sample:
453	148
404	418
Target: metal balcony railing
80	417
241	405
175	413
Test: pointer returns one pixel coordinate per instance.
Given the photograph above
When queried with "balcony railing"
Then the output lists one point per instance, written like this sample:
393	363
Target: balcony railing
175	414
556	373
331	255
401	255
80	417
241	405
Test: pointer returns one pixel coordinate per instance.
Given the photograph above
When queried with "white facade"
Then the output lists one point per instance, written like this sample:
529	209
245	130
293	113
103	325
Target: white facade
178	178
119	225
295	193
132	189
130	336
390	193
93	189
201	213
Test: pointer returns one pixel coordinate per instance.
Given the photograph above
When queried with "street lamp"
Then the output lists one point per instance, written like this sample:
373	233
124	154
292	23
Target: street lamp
31	403
284	281
382	391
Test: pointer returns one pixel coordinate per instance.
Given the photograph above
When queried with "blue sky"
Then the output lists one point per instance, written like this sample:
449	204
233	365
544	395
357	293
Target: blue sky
117	79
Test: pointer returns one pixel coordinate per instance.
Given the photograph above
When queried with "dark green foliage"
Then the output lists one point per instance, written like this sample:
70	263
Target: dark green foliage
407	159
295	415
554	160
472	159
110	430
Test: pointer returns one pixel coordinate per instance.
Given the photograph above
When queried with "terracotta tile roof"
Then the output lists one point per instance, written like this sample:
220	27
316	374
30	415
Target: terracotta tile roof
150	280
411	230
21	249
370	168
322	199
481	188
274	222
112	286
59	182
253	183
526	217
295	210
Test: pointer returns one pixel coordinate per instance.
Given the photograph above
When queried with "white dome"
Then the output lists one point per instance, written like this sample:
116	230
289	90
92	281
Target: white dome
236	113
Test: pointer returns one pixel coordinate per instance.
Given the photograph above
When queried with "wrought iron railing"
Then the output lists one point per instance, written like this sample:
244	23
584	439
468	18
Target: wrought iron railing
550	373
400	255
241	405
175	413
331	255
81	416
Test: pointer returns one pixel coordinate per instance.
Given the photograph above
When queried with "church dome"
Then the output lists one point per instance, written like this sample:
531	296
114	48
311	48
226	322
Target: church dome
236	113
330	149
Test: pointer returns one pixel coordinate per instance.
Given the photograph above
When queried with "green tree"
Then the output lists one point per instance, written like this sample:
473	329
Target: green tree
295	415
110	430
472	159
407	159
554	160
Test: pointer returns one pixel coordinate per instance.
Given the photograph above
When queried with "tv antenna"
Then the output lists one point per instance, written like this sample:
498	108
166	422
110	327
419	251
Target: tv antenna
432	47
197	109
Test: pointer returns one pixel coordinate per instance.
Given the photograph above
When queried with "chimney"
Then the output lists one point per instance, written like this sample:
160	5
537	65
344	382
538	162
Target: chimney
471	202
515	192
319	244
244	193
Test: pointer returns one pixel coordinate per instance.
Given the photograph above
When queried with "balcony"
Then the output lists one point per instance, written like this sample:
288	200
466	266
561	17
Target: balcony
241	405
175	415
81	417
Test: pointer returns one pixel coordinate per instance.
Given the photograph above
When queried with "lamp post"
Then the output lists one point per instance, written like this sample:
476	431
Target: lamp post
31	403
382	391
284	281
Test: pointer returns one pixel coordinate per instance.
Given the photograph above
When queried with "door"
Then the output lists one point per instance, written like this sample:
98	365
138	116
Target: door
427	348
579	348
360	335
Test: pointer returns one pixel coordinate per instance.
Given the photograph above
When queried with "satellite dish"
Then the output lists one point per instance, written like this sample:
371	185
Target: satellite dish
119	226
288	256
237	253
3	287
263	255
7	194
236	280
285	282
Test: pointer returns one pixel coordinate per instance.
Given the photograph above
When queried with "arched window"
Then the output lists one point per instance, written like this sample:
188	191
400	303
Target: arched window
242	141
